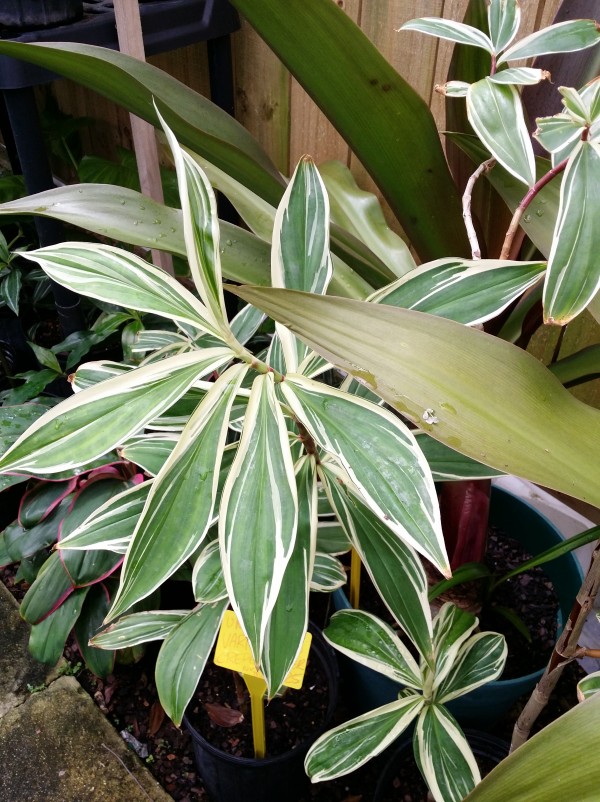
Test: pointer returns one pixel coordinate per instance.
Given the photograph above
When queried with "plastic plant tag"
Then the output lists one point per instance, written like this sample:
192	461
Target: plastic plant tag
233	652
355	571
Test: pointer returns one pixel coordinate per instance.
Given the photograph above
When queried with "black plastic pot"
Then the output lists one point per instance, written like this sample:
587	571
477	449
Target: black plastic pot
227	778
488	751
32	14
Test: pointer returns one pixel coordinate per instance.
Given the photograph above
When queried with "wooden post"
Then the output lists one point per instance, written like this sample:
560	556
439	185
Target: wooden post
131	42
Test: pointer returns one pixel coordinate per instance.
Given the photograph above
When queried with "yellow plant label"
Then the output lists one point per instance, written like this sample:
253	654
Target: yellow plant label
233	651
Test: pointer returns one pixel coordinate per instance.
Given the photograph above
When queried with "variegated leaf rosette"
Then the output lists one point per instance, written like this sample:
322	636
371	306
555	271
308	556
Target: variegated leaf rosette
457	662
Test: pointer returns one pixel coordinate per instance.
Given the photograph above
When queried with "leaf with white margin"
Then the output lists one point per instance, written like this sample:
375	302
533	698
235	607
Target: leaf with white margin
504	18
452	31
182	498
381	457
201	230
183	655
350	745
573	276
258	516
496	114
588	686
246	323
563	37
373	643
91	373
208	584
466	290
300	257
94	421
520	76
115	276
451	628
479	660
131	630
149	451
443	755
449	465
558	133
328	574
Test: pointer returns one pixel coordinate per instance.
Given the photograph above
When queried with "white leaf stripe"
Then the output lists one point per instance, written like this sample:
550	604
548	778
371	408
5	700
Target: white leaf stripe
451	628
479	660
350	745
207	575
382	458
443	755
131	630
98	419
258	518
328	573
115	276
187	485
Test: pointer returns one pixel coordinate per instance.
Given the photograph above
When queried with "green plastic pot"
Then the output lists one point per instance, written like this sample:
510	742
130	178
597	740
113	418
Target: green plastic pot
484	706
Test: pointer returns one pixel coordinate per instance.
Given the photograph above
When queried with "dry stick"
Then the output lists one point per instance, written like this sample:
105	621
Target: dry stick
131	42
565	651
466	205
133	777
520	210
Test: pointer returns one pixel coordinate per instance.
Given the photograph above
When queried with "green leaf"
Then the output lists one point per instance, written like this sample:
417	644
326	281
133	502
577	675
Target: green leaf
183	655
381	457
479	660
573	276
115	276
467	572
14	420
46	358
51	587
443	755
492	414
353	743
465	290
524	775
150	452
557	133
208	583
520	76
332	538
259	514
504	18
563	37
496	114
94	421
328	574
10	290
186	487
588	686
99	661
47	639
362	94
451	628
448	465
373	643
450	30
137	628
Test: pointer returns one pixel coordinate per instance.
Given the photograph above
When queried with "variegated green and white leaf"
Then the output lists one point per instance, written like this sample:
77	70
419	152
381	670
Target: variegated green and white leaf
91	373
395	569
352	744
573	276
451	628
575	104
201	231
332	538
328	573
157	340
563	37
588	686
118	277
504	18
288	621
300	257
313	365
520	76
559	135
449	465
373	643
149	451
180	506
452	31
131	630
246	323
183	655
112	525
443	755
381	457
94	421
479	660
258	517
275	357
208	584
355	387
453	88
465	290
496	114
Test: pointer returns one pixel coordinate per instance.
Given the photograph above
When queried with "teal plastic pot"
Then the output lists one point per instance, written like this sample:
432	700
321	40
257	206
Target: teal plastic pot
483	706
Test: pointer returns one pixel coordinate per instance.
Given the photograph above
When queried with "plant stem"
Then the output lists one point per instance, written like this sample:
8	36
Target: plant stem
466	206
520	210
565	651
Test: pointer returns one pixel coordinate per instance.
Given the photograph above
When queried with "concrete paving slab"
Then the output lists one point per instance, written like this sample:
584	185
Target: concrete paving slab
58	747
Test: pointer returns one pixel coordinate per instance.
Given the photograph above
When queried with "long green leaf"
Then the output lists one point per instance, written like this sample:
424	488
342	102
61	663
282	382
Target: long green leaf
573	276
352	744
100	662
94	421
491	400
381	457
448	465
259	514
47	639
182	495
363	94
183	655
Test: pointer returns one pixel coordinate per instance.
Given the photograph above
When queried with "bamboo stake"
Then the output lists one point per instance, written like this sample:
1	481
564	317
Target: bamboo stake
131	42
